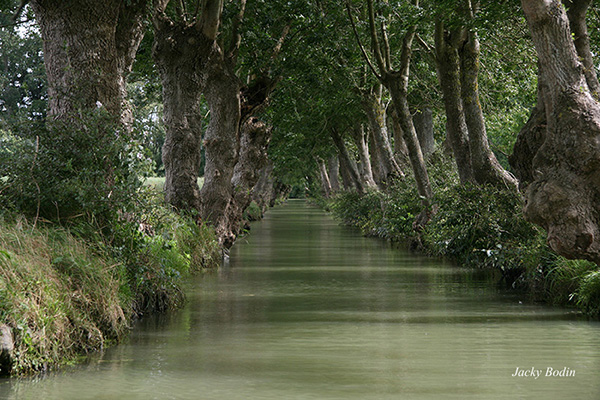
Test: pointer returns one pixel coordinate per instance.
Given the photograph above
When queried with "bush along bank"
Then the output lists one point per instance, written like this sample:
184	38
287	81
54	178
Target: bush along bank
480	227
62	296
85	248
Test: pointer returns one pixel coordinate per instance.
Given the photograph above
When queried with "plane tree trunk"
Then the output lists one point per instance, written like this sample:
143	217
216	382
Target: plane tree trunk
563	197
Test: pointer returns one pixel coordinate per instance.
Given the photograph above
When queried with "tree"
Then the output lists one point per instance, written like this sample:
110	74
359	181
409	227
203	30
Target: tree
396	81
563	196
458	64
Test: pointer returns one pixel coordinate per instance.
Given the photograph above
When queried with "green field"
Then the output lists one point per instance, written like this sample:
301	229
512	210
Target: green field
158	182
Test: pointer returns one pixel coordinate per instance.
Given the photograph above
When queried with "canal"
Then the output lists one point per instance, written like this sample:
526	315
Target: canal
307	309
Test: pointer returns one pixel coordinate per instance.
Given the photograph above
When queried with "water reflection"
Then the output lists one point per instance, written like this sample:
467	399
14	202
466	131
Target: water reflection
309	310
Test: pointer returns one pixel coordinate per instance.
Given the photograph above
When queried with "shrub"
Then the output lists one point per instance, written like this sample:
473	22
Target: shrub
66	169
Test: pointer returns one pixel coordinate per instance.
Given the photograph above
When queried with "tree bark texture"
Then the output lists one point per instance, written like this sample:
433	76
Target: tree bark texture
532	135
222	94
486	168
254	140
564	196
86	61
529	140
262	192
400	149
180	54
325	183
333	169
398	91
348	168
576	11
376	115
423	121
448	69
365	169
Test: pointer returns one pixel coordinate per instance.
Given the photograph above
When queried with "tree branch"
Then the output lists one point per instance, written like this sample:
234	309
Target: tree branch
236	36
406	55
362	49
386	46
211	18
375	39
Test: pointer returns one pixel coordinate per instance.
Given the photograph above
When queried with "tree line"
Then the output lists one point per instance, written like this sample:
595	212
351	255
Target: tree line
352	94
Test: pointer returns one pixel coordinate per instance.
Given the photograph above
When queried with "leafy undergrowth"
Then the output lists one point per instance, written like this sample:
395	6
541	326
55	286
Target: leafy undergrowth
63	296
480	227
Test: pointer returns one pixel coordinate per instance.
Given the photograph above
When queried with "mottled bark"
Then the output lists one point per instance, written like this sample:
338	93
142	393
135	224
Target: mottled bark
180	53
423	121
361	140
529	140
199	63
222	94
254	140
376	115
400	149
448	70
486	168
333	169
325	183
399	96
348	169
86	61
377	169
262	191
564	197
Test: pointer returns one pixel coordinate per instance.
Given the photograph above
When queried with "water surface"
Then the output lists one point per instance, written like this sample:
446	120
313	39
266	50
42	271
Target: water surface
307	309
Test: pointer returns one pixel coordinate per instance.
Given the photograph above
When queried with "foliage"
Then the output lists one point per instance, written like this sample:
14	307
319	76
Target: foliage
71	291
56	172
479	227
253	212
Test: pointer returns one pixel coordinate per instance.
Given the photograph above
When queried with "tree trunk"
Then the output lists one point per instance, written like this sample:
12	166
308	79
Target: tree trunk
261	193
325	183
486	168
399	98
448	70
388	168
564	196
348	167
529	140
576	10
400	149
86	61
255	137
333	168
366	171
377	168
180	55
423	121
532	135
222	92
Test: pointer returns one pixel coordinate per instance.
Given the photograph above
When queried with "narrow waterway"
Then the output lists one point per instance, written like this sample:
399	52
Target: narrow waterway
307	309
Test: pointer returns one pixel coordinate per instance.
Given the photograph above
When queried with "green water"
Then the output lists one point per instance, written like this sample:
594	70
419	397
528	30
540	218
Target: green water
307	309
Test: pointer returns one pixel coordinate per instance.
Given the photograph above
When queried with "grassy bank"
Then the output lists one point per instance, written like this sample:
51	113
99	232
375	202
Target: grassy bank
480	227
65	292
